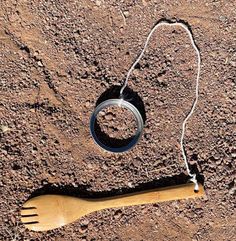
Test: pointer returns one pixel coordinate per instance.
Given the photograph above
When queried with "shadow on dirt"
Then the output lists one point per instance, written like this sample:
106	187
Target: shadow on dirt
83	192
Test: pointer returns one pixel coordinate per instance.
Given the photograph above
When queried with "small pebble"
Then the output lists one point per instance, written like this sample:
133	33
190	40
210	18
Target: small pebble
126	13
233	63
83	228
117	214
87	104
104	167
102	113
4	152
4	128
98	2
108	117
130	184
136	72
40	63
233	154
232	190
85	222
89	166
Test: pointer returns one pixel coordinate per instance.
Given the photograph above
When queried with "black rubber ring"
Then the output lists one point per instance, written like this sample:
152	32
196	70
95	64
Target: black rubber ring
128	106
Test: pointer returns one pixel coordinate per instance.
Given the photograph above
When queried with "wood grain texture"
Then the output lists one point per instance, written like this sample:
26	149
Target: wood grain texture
48	212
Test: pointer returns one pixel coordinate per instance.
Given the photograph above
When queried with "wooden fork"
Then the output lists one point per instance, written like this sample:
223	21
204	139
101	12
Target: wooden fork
47	212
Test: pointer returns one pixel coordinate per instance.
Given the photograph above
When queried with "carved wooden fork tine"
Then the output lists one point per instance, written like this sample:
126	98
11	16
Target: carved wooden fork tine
29	216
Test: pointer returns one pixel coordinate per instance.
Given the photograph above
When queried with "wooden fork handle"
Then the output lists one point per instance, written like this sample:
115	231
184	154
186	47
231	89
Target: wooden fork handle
150	196
47	212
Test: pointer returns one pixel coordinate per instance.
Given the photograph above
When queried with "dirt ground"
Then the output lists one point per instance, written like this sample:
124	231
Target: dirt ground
57	58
